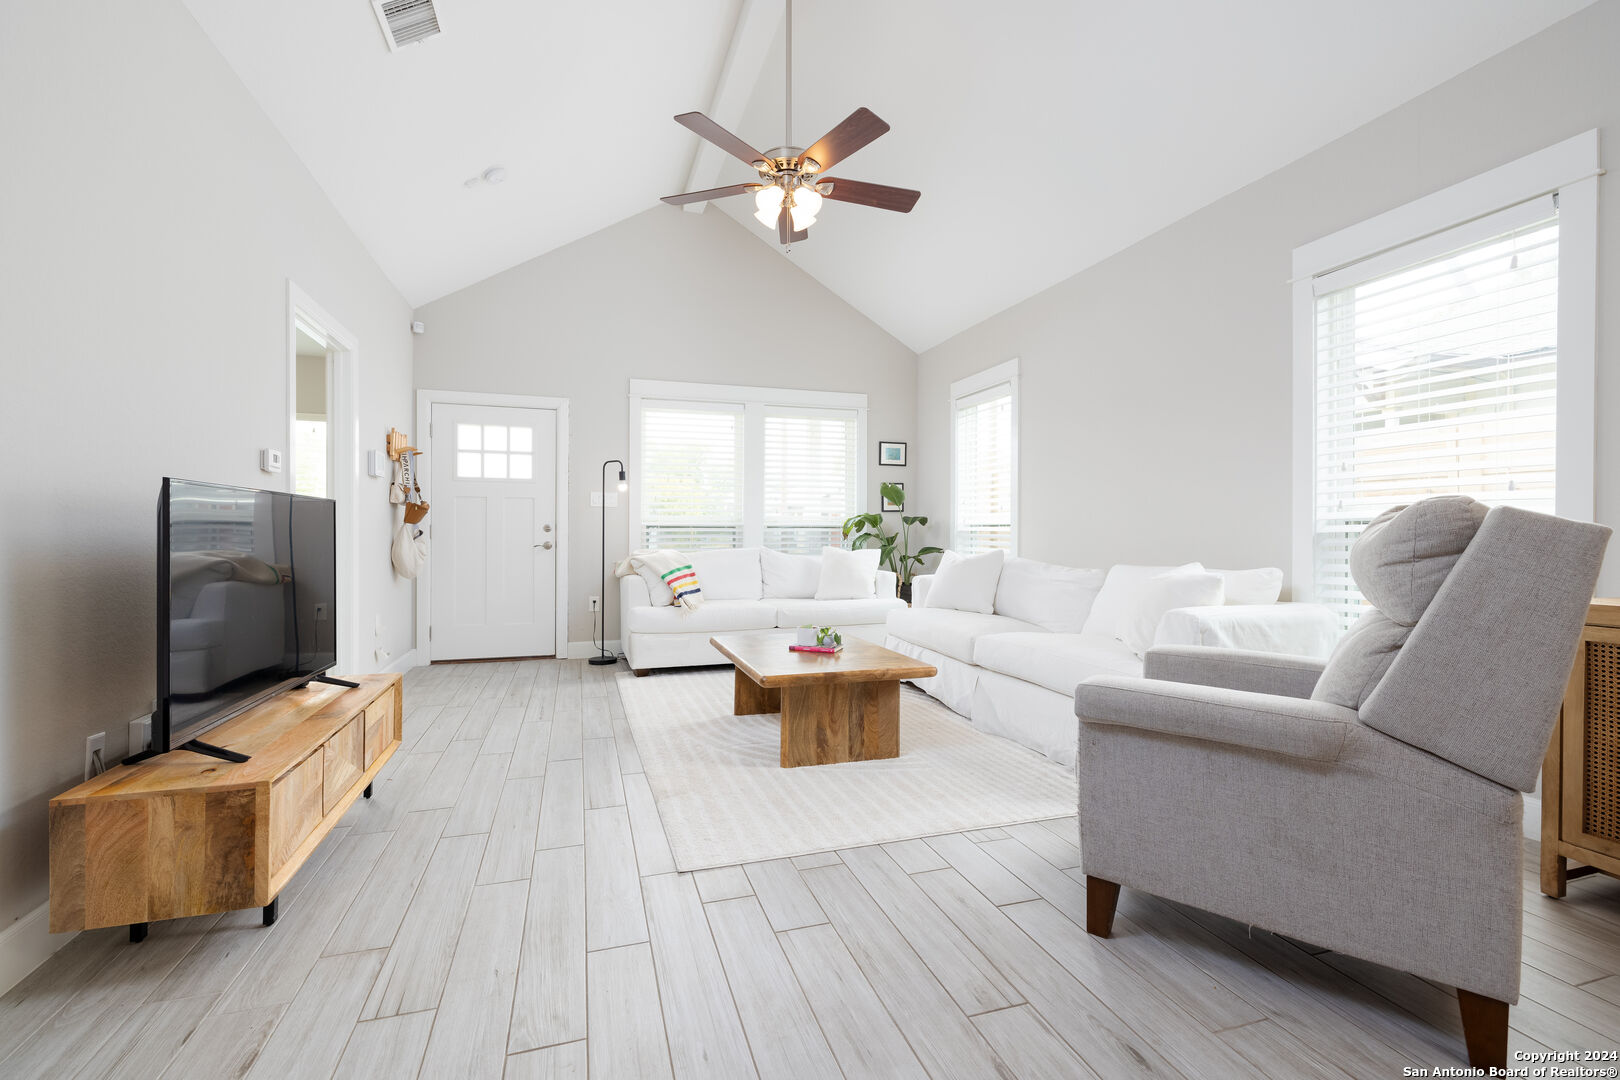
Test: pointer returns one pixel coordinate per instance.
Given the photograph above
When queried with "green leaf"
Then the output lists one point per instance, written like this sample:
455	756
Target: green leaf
893	493
929	551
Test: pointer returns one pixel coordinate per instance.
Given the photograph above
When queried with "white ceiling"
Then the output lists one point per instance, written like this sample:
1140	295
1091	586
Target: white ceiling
1044	134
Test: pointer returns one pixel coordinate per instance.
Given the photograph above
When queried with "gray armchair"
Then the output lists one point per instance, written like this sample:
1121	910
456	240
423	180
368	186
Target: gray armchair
1369	804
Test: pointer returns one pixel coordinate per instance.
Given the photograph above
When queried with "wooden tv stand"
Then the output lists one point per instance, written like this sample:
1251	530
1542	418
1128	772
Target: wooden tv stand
185	834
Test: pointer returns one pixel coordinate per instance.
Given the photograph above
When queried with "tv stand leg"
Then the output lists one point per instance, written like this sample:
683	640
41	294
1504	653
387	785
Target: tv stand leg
137	932
366	793
270	912
336	682
197	746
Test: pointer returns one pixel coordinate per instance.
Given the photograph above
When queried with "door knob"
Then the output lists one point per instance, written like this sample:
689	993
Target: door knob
546	545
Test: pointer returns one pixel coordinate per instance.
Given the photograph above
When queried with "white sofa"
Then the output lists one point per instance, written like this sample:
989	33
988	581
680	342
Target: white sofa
1013	672
743	589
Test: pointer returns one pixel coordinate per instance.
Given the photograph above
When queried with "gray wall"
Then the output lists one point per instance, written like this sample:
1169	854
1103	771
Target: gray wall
150	218
1156	385
662	295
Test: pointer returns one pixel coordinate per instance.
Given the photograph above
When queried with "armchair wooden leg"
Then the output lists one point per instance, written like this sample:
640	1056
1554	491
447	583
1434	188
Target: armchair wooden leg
1485	1029
1101	898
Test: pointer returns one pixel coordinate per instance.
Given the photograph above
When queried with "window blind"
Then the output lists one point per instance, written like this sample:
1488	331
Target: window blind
1436	374
809	478
691	476
983	471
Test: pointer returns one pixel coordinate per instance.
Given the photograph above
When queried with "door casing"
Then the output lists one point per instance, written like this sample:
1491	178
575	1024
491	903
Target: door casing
425	400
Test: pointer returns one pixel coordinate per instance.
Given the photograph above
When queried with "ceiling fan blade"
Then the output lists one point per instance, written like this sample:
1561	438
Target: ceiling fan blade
711	193
784	226
718	135
858	129
802	234
879	195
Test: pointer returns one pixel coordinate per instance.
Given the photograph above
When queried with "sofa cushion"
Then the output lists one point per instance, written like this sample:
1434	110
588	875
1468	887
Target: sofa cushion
1262	585
788	576
1055	598
836	612
951	632
848	575
1119	594
715	616
1059	662
1165	593
728	574
967	582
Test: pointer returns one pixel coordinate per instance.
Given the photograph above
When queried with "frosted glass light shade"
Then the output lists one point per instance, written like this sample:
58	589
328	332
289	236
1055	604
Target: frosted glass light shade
769	199
766	218
808	199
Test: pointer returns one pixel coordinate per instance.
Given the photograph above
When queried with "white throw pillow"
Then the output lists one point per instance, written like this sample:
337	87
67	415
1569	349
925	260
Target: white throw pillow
1259	586
1119	595
1166	592
967	582
1055	598
848	575
728	574
789	577
655	568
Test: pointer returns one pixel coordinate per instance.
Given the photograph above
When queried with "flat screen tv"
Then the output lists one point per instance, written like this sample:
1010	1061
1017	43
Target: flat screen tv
246	604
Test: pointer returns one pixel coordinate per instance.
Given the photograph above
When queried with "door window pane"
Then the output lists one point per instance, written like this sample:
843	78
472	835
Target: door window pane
469	437
469	465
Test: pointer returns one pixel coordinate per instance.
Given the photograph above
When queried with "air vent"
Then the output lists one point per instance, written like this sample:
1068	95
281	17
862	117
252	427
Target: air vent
406	22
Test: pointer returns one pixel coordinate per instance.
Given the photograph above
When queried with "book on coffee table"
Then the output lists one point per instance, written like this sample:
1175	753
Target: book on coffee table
828	649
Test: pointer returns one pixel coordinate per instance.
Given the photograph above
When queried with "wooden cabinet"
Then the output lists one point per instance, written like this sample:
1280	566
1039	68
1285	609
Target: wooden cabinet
183	834
1580	781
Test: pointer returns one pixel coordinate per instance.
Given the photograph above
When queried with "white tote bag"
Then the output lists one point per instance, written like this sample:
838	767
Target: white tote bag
410	551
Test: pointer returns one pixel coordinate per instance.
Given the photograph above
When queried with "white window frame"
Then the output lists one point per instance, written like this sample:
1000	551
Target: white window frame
755	402
1569	170
1004	372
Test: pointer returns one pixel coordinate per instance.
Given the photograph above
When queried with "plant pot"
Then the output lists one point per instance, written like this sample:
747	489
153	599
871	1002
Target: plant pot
905	591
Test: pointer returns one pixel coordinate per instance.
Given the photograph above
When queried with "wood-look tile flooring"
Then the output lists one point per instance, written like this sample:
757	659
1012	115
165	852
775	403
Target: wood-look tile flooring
507	905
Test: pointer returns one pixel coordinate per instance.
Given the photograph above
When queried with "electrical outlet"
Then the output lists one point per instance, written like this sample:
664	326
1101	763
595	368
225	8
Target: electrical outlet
322	612
140	734
95	755
596	603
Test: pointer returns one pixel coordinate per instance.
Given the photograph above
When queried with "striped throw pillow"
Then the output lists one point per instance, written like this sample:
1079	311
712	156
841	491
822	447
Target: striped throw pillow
683	583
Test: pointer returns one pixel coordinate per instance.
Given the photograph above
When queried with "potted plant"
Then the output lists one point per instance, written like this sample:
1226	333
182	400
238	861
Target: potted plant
866	530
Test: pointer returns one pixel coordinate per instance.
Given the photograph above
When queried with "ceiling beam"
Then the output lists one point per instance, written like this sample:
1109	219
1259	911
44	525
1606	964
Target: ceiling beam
757	25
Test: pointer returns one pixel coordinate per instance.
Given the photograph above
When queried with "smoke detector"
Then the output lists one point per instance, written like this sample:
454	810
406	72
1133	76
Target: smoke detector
406	22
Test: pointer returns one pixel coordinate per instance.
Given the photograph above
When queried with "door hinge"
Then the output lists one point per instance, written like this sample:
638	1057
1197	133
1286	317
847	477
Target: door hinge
430	633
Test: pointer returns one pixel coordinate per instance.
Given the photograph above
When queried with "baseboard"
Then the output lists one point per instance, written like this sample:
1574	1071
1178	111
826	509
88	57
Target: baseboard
579	650
403	664
26	944
1532	817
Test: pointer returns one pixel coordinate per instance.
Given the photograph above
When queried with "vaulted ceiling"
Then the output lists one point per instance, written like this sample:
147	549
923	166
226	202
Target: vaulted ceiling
1044	134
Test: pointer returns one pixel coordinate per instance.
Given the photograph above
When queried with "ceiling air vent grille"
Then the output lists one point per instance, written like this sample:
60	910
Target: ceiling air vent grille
406	22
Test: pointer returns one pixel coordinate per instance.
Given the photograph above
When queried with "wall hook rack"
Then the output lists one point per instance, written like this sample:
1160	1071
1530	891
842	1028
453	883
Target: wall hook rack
398	444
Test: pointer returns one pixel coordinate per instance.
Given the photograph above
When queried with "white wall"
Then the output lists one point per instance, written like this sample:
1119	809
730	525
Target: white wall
150	218
662	295
1156	384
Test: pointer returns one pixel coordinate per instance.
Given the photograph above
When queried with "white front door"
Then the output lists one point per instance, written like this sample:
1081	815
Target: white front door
494	532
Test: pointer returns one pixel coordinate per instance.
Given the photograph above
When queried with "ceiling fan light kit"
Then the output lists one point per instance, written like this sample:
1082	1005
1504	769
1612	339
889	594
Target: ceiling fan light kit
791	187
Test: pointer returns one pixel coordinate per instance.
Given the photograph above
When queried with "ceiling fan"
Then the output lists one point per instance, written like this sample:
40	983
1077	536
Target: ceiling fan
792	179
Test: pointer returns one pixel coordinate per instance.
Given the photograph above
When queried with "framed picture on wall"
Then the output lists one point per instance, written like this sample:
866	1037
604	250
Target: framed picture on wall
891	453
892	508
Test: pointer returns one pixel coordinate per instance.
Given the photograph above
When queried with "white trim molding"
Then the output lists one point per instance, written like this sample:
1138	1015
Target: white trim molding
343	441
1568	171
1006	373
425	400
28	943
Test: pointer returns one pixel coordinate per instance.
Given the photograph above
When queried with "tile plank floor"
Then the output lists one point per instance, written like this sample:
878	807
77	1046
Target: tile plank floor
527	921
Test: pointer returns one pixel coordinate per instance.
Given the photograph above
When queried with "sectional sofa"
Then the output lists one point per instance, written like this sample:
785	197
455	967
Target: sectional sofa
743	589
1013	671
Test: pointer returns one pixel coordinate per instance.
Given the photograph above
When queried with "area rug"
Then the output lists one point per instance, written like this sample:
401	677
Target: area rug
725	799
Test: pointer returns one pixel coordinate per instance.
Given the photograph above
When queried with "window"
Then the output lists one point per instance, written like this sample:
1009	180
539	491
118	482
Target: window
494	452
744	466
809	478
984	461
1435	368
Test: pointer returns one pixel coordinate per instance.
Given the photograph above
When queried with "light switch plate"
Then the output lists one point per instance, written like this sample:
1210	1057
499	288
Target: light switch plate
612	498
270	461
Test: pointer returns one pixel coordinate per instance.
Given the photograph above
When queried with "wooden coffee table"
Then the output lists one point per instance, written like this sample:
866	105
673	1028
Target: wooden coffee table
838	707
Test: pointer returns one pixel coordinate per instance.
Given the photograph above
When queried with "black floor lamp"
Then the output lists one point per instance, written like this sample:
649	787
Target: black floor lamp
604	657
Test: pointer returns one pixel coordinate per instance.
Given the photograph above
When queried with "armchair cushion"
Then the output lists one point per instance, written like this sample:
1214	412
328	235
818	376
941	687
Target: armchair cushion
1360	660
1402	558
1234	669
1314	730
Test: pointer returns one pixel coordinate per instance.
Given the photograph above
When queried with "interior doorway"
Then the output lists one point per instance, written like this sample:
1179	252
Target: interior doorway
323	451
